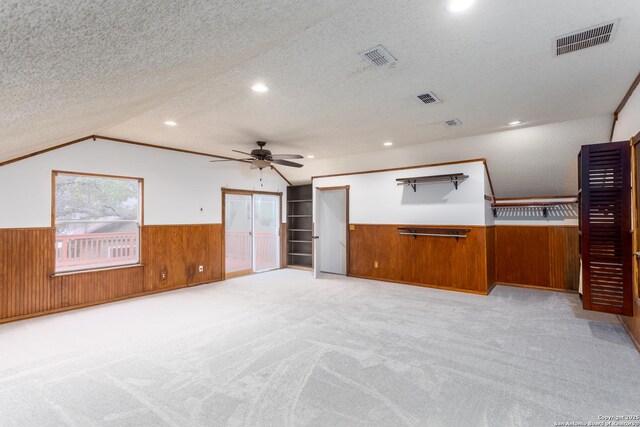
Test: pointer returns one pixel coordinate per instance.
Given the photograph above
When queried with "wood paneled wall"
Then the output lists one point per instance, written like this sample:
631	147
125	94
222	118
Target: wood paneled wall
178	250
425	261
632	323
94	287
491	256
534	256
539	256
25	266
27	263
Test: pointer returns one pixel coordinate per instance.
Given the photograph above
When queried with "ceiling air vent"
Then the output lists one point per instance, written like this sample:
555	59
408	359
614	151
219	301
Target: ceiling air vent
428	98
378	56
452	123
582	39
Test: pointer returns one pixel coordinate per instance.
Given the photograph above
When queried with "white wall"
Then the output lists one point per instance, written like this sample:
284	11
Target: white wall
524	161
628	124
374	198
179	188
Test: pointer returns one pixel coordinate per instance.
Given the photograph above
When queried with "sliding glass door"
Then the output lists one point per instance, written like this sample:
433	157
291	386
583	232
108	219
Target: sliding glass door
252	233
238	241
266	223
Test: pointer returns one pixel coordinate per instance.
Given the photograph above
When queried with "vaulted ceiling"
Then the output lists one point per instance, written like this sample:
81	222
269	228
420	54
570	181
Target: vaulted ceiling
70	68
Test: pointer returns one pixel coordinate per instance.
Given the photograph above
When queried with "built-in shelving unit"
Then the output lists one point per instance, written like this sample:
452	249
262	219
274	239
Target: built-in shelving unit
413	182
299	226
543	206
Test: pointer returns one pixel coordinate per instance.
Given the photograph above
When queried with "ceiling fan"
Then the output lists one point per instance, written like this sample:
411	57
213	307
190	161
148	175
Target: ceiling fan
261	158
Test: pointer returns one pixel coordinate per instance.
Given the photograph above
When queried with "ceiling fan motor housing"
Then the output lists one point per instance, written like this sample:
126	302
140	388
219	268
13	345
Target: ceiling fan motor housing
260	152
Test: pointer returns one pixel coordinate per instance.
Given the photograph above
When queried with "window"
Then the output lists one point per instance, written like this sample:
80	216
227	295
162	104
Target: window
97	221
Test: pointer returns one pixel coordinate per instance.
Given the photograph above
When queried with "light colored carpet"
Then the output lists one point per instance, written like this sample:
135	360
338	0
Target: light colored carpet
280	349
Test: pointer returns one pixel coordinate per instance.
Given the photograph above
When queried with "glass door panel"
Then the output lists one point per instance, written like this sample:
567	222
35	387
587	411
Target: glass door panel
266	224
238	234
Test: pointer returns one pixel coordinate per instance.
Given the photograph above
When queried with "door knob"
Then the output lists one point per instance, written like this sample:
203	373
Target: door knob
315	237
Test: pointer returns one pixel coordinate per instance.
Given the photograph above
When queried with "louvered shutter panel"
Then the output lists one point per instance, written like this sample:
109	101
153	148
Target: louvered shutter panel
606	227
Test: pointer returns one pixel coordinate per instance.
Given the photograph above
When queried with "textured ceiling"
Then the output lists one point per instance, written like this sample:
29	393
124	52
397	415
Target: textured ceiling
523	162
73	68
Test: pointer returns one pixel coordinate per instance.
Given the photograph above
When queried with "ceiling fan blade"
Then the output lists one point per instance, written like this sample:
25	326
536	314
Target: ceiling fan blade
286	156
242	152
230	160
287	163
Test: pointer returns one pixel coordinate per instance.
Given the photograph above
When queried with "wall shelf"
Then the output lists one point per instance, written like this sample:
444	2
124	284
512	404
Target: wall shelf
457	233
544	206
413	182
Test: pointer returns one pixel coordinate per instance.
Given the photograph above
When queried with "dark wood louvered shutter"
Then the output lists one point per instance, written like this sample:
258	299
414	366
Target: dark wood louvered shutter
605	186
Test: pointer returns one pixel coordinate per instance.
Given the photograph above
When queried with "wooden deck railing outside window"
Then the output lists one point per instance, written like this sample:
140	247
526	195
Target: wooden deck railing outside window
98	250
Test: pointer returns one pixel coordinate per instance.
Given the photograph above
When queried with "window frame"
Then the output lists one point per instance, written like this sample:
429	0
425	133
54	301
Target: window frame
54	174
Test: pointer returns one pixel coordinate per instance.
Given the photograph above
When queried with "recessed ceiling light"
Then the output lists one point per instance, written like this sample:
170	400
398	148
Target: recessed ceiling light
456	6
515	123
310	156
170	123
260	88
388	144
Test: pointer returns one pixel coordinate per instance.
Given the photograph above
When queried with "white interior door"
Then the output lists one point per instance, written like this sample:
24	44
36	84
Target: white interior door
333	231
317	194
266	227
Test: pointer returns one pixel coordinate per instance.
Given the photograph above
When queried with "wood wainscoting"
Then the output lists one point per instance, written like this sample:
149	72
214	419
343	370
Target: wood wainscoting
538	256
95	287
463	264
178	250
25	267
28	287
490	240
632	323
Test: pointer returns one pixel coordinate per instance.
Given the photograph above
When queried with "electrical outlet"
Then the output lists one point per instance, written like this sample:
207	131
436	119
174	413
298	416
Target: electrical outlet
163	275
201	268
375	264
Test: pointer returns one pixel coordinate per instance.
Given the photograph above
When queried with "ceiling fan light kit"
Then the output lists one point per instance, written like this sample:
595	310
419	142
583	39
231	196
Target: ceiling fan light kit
259	164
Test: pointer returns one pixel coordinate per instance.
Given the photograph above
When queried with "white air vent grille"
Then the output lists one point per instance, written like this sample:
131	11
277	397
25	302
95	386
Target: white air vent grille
378	56
588	37
428	98
452	122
